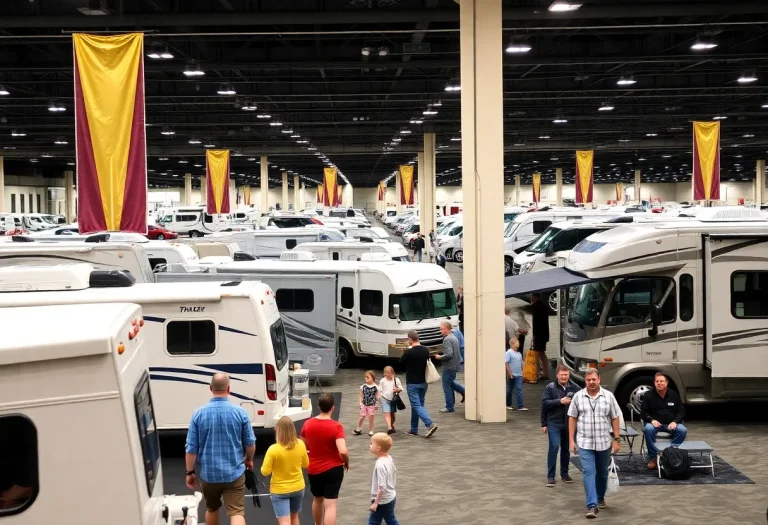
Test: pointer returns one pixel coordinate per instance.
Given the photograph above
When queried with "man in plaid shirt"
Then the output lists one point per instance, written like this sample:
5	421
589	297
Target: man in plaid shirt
594	412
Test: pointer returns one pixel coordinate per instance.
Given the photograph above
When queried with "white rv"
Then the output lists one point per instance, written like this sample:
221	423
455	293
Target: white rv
376	303
193	331
74	398
353	250
193	221
685	298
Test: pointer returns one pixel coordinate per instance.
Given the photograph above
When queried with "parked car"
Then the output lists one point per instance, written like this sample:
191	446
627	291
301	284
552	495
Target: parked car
158	232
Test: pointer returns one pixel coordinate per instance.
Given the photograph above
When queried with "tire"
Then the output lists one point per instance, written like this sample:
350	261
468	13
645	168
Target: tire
507	266
194	233
346	354
632	389
449	254
458	256
552	302
161	237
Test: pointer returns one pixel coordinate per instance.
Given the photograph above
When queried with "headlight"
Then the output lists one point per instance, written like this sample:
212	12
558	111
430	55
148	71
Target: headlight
585	366
526	267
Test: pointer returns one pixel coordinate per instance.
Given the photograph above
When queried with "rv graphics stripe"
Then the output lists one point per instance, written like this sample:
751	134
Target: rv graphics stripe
221	327
236	368
722	251
330	335
302	341
360	325
159	377
186	371
427	280
656	339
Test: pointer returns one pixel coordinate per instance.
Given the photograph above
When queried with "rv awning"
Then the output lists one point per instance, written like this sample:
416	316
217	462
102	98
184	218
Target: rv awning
543	281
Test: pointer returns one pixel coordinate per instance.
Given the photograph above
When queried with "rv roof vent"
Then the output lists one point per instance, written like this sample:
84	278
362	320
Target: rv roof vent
730	213
364	239
244	256
45	278
111	279
293	255
21	238
621	219
116	237
377	257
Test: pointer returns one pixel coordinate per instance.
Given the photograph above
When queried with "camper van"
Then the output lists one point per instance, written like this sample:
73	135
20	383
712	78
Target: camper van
375	303
193	221
80	385
353	250
192	331
685	298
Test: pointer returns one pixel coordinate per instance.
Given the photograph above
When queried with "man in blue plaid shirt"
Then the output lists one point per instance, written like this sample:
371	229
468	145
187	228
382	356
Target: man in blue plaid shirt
221	440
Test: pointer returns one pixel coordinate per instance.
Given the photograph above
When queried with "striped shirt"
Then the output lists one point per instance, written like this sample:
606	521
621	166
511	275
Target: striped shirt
593	418
219	433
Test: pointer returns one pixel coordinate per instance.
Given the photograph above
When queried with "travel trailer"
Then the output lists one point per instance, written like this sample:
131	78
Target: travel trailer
685	298
375	303
75	399
374	232
193	221
192	331
353	250
271	243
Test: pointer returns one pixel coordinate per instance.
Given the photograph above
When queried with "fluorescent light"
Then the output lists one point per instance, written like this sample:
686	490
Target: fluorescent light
163	158
56	108
455	139
747	78
719	117
3	91
198	165
626	81
765	106
365	51
226	89
560	120
544	137
61	142
416	121
167	131
18	133
429	112
518	48
263	115
405	131
703	45
748	136
302	141
276	123
560	6
182	161
606	107
193	70
295	136
209	145
383	51
249	107
287	131
651	134
194	141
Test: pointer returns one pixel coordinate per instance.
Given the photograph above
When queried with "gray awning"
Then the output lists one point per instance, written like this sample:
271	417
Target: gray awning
543	281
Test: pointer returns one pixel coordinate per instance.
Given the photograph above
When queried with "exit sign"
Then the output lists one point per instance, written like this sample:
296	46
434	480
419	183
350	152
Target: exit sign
413	49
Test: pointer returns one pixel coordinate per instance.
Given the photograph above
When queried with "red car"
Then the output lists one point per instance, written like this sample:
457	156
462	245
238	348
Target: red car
156	232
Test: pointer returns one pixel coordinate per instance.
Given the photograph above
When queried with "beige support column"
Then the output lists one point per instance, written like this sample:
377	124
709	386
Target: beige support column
296	200
421	174
203	190
264	185
303	195
517	190
397	193
284	201
759	183
232	195
637	186
559	185
187	197
427	176
2	186
482	158
69	196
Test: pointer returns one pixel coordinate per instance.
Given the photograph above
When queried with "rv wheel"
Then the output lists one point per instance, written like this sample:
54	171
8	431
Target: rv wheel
553	302
345	354
632	391
448	253
507	266
194	233
458	256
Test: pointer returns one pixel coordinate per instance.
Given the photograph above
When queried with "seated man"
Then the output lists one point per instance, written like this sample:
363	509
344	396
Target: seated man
662	411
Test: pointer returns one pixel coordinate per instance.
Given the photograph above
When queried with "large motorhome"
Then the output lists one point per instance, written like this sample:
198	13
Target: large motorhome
353	250
193	331
376	303
269	244
74	397
194	221
686	298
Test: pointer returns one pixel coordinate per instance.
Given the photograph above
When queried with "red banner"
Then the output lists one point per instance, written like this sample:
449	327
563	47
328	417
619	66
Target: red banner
706	161
217	180
536	186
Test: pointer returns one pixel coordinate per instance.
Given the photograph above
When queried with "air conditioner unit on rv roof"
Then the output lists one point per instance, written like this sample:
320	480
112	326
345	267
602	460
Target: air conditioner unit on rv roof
728	213
293	255
61	277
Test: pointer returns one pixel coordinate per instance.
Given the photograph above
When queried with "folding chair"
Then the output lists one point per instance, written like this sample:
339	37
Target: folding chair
664	436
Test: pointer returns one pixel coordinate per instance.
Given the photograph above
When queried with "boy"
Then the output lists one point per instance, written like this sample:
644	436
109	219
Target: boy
383	485
513	363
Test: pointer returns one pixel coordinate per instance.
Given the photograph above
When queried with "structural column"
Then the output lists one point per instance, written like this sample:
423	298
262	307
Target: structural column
398	199
69	196
303	195
264	185
296	198
284	201
637	186
187	200
427	177
203	191
559	186
232	195
482	159
517	190
759	183
2	186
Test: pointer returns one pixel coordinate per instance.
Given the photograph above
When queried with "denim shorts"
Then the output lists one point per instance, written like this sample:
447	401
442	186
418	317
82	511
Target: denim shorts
285	504
387	406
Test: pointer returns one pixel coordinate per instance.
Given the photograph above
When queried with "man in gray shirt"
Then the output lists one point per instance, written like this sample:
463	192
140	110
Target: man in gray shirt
451	359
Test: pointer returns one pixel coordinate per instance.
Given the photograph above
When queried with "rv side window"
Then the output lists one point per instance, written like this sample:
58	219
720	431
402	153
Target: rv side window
154	262
540	226
335	256
208	218
565	241
632	301
686	297
748	294
190	337
277	332
18	464
371	302
295	300
290	243
145	418
347	297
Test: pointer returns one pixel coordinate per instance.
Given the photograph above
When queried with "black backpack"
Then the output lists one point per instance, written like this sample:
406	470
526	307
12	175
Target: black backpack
675	463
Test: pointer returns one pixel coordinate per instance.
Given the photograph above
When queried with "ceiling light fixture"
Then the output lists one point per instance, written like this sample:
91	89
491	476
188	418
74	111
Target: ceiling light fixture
416	121
295	136
287	131
56	108
226	89
311	148
560	120
703	43
182	161
167	131
560	6
276	123
626	81
651	134
405	131
163	158
194	141
193	69
748	136
383	51
249	106
429	111
3	91
719	117
606	106
159	52
544	137
17	133
518	46
747	78
209	145
61	142
365	51
452	86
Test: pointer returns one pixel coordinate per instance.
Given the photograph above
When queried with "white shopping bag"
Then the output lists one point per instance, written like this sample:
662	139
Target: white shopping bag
613	478
431	374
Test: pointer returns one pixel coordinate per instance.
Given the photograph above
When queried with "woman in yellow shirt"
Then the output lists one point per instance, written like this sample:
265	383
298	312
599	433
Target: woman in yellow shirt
285	461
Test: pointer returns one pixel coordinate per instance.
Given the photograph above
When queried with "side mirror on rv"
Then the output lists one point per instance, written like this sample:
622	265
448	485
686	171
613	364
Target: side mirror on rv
396	310
655	319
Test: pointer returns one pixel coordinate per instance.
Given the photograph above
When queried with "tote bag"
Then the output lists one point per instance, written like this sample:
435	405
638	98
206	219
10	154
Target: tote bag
530	367
431	373
613	478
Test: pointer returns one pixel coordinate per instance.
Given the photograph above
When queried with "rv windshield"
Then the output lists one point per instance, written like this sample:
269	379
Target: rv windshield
166	220
145	419
277	332
541	244
589	302
424	305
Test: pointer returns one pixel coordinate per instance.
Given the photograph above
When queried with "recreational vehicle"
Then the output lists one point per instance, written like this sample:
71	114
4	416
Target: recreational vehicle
353	250
193	221
375	303
75	400
685	298
192	331
374	232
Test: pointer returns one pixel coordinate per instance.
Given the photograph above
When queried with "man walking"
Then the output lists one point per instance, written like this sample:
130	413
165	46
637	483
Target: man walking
415	361
594	412
662	411
554	422
221	441
328	459
451	359
418	246
540	333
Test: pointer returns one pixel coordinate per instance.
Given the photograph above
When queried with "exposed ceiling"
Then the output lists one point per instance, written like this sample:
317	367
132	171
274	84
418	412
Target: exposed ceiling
348	76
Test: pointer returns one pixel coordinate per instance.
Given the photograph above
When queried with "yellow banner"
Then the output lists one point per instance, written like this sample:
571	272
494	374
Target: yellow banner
320	193
584	161
218	176
108	67
406	185
619	192
331	197
536	183
247	195
706	159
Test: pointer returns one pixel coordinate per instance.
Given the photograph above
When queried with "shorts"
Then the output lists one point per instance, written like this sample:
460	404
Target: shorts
387	406
366	410
327	484
286	504
233	493
539	346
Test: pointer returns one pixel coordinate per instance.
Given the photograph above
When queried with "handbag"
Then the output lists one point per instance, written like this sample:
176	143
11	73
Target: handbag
613	478
396	400
431	374
530	367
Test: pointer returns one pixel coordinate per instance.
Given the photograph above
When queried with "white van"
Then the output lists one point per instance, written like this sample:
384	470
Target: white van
193	221
353	250
193	331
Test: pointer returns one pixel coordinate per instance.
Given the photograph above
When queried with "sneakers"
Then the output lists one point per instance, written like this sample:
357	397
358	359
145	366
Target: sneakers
445	411
391	430
601	504
510	408
370	433
550	482
357	432
566	478
412	433
523	409
591	513
431	430
462	398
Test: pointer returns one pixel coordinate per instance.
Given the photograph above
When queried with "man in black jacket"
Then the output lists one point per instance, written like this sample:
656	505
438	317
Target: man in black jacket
662	411
540	333
418	246
554	422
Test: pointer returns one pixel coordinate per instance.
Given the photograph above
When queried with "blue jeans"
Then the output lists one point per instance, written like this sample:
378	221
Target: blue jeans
558	439
418	252
678	436
286	504
449	385
594	469
386	512
515	384
416	395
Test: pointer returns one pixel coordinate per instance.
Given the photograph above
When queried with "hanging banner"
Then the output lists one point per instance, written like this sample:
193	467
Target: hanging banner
320	193
406	185
340	191
382	191
331	183
706	161
584	163
247	195
619	192
110	140
217	180
536	184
